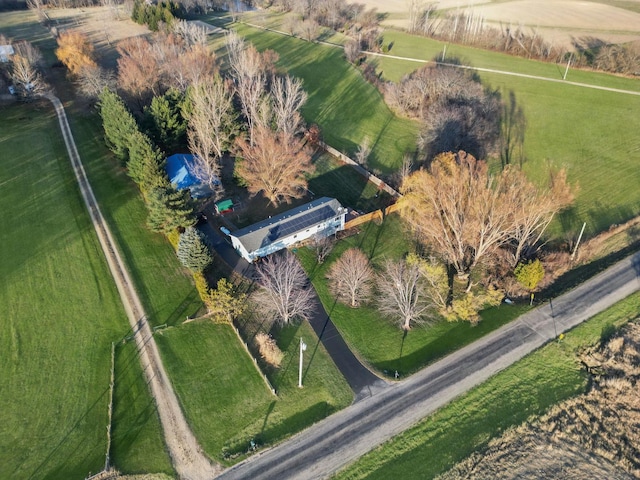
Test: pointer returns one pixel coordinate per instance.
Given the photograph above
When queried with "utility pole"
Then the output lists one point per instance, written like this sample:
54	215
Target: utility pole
303	347
566	70
578	242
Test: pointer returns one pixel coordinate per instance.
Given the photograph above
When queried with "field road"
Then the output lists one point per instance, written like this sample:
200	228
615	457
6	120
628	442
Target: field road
187	457
466	67
332	444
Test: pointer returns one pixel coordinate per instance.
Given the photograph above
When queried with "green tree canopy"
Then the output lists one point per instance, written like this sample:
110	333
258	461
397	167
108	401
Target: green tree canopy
529	274
164	117
169	209
193	252
146	163
117	122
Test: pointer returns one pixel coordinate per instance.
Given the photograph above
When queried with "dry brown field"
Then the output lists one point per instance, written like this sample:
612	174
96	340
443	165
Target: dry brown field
590	437
558	21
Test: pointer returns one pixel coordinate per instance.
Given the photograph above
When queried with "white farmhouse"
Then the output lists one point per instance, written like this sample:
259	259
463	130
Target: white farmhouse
324	216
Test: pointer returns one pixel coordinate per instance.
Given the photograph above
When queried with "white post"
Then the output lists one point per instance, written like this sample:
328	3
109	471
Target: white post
564	77
303	347
578	242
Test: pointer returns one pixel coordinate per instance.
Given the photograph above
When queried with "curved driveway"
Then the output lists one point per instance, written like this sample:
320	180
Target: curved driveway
339	440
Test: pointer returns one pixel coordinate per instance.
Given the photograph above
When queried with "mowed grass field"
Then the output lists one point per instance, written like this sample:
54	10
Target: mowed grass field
379	341
341	102
529	387
592	133
60	311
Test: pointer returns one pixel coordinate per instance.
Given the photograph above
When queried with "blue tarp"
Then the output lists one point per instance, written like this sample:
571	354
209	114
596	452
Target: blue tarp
178	170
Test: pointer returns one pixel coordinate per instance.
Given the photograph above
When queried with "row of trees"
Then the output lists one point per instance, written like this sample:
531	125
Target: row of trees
462	26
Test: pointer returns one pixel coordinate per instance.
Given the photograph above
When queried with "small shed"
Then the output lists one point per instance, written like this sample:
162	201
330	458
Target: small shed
224	206
179	169
324	216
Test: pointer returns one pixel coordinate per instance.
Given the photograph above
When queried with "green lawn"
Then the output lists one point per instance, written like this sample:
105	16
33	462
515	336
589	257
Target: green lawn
225	398
334	179
341	102
592	133
378	341
195	351
61	311
529	387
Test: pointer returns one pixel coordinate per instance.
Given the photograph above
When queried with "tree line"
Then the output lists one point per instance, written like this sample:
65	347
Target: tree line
463	27
168	94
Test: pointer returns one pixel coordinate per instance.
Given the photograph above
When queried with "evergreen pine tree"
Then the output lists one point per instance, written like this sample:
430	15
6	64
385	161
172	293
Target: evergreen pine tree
192	252
117	122
165	121
146	163
169	209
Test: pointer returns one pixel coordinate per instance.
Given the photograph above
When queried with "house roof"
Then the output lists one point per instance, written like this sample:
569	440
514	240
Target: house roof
287	223
179	168
5	51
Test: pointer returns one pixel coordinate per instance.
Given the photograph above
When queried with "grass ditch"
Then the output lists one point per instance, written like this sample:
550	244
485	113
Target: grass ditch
528	388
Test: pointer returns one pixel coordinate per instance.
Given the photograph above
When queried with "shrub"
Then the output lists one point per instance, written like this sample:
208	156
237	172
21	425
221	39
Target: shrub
269	350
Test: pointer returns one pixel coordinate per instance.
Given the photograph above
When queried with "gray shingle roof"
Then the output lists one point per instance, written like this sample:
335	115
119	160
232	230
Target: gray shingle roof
287	223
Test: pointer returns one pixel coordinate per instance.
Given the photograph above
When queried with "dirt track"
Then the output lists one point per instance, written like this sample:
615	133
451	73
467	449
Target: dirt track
187	456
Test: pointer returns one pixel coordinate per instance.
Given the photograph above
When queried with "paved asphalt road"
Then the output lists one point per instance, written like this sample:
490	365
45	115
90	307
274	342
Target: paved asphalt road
339	440
361	380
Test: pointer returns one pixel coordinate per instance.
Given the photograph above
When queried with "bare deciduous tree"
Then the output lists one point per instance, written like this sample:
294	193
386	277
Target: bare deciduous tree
93	79
24	71
457	210
533	209
190	32
210	128
350	277
288	97
363	152
401	295
138	68
275	165
322	245
283	296
464	214
309	30
352	51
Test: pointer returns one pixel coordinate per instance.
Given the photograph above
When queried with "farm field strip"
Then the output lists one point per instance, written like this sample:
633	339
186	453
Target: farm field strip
503	72
185	451
61	309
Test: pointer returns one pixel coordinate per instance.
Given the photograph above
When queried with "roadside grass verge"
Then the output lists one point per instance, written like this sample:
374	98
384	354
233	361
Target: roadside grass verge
529	387
377	340
346	107
61	310
226	400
